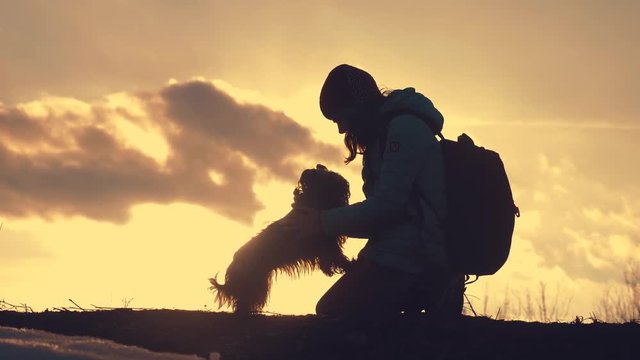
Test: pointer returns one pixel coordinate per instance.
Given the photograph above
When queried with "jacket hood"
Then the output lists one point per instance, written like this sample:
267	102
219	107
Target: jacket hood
412	102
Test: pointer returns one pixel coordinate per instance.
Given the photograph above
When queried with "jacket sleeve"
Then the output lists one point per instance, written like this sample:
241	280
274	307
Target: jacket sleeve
404	155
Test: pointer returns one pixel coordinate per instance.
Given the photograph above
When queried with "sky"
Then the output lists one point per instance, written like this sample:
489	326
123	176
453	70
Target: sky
143	142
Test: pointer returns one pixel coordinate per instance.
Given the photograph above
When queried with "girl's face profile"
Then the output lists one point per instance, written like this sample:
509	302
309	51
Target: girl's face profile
343	124
346	118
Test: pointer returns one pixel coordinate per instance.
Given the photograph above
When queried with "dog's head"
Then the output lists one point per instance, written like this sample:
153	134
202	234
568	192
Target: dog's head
321	189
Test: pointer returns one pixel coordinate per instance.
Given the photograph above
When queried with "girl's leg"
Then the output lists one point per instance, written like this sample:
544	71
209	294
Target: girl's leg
367	289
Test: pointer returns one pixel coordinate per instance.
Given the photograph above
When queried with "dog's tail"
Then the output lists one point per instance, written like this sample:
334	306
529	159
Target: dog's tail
222	297
243	300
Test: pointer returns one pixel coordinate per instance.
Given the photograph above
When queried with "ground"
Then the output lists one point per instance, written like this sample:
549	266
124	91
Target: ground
310	337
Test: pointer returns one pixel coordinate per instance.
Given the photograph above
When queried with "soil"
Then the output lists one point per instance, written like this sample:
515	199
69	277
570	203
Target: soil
311	337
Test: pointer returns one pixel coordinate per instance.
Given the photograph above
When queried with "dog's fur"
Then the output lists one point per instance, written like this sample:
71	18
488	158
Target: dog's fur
248	279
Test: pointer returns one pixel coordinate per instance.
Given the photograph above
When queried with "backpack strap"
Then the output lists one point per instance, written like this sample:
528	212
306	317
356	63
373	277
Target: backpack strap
387	118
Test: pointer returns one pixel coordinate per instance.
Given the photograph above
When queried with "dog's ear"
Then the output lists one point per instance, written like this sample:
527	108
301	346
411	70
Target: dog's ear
338	187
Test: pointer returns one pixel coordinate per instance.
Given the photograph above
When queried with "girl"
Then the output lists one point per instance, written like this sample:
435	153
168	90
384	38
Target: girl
403	266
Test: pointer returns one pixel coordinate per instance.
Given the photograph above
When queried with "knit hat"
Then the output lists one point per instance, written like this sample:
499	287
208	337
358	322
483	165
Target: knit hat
346	86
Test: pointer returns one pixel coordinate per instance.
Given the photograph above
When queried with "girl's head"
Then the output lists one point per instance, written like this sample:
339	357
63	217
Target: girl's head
350	97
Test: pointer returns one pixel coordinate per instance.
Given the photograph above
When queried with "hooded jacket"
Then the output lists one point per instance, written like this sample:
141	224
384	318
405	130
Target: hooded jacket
404	187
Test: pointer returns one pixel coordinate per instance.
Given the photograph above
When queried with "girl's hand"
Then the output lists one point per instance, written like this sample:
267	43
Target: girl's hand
303	222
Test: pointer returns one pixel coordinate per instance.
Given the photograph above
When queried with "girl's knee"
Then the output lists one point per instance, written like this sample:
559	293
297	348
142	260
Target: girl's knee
325	307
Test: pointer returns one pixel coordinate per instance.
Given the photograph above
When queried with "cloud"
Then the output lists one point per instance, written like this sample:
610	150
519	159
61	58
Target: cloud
577	192
584	227
268	138
61	156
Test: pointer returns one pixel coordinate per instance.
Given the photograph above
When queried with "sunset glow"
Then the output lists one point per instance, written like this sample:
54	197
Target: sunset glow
143	142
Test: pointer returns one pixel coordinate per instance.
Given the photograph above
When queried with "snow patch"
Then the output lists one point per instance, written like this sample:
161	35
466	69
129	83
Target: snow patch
35	344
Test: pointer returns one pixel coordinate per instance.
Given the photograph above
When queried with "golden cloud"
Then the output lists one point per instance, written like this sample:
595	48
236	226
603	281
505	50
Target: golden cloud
61	156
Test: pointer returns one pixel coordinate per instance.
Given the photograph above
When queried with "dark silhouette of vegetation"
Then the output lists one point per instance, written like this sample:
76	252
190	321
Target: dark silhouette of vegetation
622	304
543	306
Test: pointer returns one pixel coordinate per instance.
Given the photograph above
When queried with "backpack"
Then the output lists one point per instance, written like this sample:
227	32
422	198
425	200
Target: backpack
480	208
481	212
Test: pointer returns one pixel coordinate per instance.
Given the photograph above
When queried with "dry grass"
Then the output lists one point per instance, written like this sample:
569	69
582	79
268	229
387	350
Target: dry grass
7	306
619	304
622	304
542	306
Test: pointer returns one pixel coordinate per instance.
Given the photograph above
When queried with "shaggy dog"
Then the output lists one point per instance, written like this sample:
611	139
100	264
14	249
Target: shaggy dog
248	279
